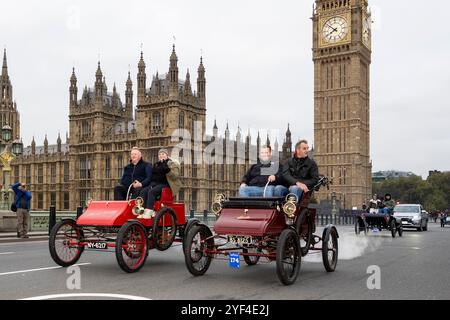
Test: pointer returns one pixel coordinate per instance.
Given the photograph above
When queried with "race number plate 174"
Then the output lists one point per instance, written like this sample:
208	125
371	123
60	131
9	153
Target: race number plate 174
234	260
97	245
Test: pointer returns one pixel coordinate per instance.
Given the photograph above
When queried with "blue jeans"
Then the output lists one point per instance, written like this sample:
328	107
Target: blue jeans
250	191
282	191
386	210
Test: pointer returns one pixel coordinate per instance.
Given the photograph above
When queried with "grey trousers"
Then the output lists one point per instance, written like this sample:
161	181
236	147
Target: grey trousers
22	221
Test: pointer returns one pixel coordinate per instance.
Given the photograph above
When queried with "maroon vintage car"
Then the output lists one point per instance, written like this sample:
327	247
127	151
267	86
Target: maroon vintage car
277	229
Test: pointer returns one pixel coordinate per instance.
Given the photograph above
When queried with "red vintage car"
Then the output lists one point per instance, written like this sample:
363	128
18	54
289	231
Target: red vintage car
277	229
114	224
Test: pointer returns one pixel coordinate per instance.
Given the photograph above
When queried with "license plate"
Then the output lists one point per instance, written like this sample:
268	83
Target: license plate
375	230
240	240
97	245
234	260
404	222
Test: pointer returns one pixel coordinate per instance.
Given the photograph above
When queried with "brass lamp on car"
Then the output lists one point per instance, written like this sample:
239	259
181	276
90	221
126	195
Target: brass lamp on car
138	206
217	203
290	205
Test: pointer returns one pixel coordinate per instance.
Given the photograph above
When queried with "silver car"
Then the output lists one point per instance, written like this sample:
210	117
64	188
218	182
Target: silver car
411	216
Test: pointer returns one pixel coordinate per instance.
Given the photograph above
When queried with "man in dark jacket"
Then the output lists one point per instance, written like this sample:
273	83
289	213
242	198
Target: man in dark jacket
264	171
301	172
22	202
137	173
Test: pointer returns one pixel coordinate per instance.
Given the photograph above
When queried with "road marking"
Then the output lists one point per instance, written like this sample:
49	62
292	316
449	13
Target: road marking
39	269
74	295
6	253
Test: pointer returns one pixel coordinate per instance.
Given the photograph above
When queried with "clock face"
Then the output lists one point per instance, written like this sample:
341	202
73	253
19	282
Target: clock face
366	31
335	30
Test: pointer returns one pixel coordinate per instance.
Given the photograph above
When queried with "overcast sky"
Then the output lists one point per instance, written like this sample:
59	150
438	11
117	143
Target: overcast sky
259	68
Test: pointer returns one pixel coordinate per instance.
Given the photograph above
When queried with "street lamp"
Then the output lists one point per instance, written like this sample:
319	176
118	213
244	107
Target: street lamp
8	151
6	133
17	147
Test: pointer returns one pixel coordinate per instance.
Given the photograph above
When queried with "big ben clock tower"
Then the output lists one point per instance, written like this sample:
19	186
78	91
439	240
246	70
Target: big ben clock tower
342	57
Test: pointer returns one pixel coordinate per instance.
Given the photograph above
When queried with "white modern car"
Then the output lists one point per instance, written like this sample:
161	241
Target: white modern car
411	216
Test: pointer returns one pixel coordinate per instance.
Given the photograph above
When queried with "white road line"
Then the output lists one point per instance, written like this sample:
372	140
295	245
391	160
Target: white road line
39	269
6	253
73	295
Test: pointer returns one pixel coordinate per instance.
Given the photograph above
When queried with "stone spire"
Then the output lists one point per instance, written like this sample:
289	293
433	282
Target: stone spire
33	146
129	97
173	74
45	144
73	90
5	65
187	84
58	142
98	83
201	83
141	79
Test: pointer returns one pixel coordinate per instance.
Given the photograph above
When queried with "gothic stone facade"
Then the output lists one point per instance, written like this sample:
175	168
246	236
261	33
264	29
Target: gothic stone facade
103	130
342	57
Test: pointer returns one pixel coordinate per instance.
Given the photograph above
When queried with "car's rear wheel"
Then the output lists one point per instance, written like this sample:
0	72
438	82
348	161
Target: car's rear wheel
198	240
164	229
63	242
400	230
288	256
393	228
330	249
131	246
189	224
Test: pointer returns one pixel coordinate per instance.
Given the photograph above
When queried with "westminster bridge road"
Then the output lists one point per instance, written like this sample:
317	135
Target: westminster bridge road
412	267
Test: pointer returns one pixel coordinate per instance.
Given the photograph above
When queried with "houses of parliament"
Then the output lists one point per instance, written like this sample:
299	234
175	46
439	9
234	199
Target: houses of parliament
103	128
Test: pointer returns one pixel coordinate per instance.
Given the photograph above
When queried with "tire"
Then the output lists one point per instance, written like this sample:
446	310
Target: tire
420	229
305	240
426	226
198	239
60	251
131	246
400	231
251	260
393	228
163	236
330	243
288	248
189	224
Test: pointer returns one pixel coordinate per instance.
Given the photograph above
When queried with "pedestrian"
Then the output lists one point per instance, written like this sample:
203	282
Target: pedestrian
22	204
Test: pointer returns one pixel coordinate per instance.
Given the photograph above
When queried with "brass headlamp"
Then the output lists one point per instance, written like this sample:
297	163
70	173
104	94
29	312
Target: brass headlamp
217	203
138	206
290	205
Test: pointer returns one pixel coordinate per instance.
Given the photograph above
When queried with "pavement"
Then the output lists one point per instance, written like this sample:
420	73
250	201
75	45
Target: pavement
412	267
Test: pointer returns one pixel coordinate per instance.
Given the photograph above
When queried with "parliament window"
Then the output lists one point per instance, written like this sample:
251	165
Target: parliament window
66	171
40	173
119	166
66	203
53	173
28	174
40	200
85	167
156	121
107	167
